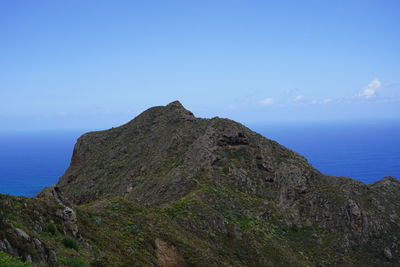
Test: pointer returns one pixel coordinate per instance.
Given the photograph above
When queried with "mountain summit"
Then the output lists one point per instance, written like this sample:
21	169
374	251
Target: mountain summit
167	155
171	189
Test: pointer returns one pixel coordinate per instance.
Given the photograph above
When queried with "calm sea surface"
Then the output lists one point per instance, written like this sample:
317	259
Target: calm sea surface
364	151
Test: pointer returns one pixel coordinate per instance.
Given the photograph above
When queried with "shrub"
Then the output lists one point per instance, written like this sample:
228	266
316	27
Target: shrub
102	262
57	207
70	243
113	206
97	220
113	215
51	228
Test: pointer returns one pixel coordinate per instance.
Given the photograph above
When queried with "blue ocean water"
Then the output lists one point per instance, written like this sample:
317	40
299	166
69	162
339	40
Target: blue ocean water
366	151
31	161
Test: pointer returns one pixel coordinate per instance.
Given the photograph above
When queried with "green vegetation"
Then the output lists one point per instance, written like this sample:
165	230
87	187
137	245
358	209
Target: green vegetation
52	229
225	170
74	262
8	261
70	243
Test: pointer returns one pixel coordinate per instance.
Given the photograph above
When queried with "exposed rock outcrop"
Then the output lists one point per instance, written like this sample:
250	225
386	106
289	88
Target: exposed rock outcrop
53	196
168	255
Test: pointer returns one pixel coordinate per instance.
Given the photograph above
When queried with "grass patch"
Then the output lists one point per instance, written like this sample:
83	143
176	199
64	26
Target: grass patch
73	262
8	261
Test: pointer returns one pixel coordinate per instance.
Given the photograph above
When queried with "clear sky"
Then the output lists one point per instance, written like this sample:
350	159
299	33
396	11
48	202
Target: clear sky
96	64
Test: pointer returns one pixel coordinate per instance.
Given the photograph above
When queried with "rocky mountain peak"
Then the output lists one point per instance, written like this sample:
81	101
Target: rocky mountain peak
217	177
391	179
169	189
175	104
161	115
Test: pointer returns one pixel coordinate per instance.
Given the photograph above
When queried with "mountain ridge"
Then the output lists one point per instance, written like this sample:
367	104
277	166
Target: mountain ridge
176	190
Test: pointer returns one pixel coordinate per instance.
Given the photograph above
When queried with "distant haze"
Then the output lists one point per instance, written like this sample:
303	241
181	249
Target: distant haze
97	64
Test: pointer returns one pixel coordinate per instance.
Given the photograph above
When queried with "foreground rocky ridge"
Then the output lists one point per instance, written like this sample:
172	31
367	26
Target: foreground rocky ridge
171	189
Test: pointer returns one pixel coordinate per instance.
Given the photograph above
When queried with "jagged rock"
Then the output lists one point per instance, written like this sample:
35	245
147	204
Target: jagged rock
21	233
53	196
3	246
38	245
69	218
168	255
8	248
28	258
354	215
388	253
52	260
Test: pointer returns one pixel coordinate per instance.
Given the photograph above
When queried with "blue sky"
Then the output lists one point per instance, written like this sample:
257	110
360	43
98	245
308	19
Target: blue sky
96	64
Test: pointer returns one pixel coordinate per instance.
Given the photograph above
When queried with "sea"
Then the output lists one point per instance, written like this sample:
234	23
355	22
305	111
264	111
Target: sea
365	151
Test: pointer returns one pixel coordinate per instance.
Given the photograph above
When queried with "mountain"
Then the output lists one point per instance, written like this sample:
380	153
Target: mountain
171	189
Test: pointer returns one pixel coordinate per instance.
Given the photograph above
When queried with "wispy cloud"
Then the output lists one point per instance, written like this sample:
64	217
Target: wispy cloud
298	98
367	94
324	101
370	91
266	101
375	91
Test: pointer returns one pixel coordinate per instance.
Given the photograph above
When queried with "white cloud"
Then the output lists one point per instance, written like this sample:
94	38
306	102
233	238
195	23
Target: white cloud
326	100
266	101
323	101
370	91
298	98
367	93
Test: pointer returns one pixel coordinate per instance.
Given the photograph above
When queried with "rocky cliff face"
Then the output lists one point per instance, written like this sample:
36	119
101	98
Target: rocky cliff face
175	190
